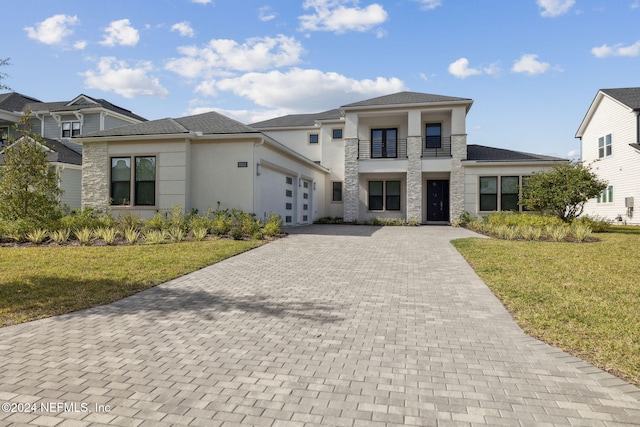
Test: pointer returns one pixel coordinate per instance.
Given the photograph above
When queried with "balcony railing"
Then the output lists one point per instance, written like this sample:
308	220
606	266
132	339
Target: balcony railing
378	149
433	147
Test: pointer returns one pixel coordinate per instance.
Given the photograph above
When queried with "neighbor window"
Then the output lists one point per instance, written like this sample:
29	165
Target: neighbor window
336	134
604	146
313	138
337	191
4	135
433	134
143	176
384	195
70	129
606	196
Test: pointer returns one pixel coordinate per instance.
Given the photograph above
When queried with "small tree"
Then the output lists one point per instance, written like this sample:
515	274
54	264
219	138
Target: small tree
561	191
28	182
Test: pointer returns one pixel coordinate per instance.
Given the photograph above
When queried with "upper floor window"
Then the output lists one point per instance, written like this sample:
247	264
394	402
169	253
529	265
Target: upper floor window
139	181
604	146
70	129
433	135
313	138
384	143
336	134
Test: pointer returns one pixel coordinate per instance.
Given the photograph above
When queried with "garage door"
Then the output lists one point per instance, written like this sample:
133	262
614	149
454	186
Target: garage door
277	194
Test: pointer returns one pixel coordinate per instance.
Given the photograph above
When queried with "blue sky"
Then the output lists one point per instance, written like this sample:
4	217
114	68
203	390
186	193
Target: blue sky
532	67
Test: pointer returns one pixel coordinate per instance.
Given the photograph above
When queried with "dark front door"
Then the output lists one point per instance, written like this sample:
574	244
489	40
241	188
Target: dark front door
437	200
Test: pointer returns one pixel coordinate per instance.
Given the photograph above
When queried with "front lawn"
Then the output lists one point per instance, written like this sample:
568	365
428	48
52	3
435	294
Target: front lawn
39	282
581	297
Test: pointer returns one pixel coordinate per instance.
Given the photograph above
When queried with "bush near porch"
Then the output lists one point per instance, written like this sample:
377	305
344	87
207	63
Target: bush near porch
582	298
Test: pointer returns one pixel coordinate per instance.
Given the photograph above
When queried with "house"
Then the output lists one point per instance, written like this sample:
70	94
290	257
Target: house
201	162
610	143
401	156
57	123
405	156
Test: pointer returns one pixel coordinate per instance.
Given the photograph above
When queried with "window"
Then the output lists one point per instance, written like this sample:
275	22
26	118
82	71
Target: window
144	181
336	134
289	180
287	219
384	195
384	143
305	184
604	146
313	138
606	196
509	193
337	191
4	135
70	129
305	195
488	193
289	193
289	206
305	207
433	135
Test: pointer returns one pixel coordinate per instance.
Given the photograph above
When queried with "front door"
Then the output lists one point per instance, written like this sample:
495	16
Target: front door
437	200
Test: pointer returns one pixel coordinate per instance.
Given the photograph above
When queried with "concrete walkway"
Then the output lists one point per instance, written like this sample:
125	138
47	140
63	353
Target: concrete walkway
332	326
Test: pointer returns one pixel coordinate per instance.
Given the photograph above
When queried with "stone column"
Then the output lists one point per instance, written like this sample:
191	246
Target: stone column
456	184
414	178
95	176
351	185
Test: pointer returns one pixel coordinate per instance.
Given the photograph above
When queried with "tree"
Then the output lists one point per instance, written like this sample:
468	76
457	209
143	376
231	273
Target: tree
29	187
561	191
3	76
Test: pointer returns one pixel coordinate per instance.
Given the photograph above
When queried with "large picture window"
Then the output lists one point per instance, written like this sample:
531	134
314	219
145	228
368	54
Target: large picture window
500	193
142	174
384	195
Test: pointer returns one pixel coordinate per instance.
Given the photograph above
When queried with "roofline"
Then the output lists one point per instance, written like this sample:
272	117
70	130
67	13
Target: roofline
93	109
272	142
468	103
591	111
472	163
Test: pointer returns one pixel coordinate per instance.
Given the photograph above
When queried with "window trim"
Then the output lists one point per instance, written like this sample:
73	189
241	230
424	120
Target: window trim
71	129
384	195
317	138
605	146
333	134
333	192
132	181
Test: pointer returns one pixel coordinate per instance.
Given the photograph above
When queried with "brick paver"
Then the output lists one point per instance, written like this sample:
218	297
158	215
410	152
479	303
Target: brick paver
333	325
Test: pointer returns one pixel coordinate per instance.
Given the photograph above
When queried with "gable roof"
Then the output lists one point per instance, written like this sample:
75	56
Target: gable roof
210	123
15	101
59	153
79	103
629	96
483	153
407	98
298	120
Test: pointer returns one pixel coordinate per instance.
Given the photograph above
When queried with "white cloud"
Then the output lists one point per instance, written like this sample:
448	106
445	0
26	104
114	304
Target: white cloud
80	45
529	64
429	4
116	76
336	16
461	69
220	56
635	4
184	28
266	14
617	50
297	88
201	1
573	154
53	30
120	33
553	8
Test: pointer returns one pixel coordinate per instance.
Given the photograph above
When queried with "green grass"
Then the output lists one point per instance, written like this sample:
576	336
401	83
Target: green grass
581	297
39	282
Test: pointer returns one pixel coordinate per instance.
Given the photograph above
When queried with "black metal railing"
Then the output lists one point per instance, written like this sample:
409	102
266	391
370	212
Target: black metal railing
435	146
379	149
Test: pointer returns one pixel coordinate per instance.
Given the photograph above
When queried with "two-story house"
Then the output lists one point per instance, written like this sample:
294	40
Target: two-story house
57	123
610	143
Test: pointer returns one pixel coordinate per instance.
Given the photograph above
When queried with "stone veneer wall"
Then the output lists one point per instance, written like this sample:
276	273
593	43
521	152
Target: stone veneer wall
414	178
456	184
95	176
351	185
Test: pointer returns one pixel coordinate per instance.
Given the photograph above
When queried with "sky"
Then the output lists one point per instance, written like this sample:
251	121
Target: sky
532	67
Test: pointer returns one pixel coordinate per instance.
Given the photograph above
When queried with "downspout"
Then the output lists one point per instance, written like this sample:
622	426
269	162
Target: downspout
256	172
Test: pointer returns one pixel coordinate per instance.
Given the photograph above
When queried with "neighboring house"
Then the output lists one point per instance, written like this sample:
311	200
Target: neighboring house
57	123
610	143
405	156
401	156
206	161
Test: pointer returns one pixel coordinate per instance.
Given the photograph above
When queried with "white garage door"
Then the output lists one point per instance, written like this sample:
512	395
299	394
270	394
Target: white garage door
277	194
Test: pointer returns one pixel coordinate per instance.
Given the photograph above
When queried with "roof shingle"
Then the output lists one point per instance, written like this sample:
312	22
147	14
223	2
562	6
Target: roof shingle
492	154
629	96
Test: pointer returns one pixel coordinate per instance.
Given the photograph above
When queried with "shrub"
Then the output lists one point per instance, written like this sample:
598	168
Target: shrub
199	222
511	218
84	235
37	236
199	233
330	220
559	232
107	234
580	232
235	233
273	226
220	225
156	236
596	223
127	221
86	218
131	235
176	233
157	222
60	236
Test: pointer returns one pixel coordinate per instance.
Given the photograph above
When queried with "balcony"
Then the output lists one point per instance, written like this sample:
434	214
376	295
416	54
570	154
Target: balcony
436	147
382	149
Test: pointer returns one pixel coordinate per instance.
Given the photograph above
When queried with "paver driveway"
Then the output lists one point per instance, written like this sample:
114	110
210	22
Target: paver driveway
333	325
